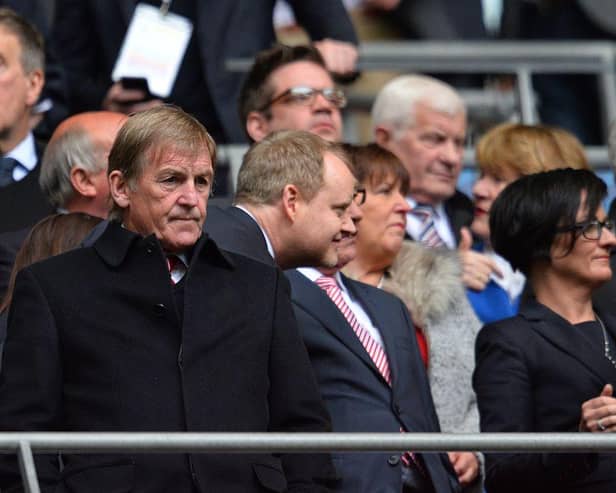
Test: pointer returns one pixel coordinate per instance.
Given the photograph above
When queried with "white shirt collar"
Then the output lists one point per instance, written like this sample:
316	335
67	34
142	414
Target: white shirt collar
25	153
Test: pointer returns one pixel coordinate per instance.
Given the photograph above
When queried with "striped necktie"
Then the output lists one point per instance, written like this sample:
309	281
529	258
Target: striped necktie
7	165
428	234
372	347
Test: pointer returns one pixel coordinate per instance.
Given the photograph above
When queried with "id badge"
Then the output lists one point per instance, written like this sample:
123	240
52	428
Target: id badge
153	48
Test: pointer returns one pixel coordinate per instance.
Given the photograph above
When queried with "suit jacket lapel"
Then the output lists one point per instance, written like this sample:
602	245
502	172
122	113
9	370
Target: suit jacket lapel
558	331
315	301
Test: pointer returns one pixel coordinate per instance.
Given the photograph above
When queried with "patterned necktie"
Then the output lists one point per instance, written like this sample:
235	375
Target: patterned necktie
373	348
7	165
176	267
428	234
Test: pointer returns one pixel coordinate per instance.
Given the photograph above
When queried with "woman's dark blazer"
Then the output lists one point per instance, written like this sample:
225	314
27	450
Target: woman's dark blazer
533	372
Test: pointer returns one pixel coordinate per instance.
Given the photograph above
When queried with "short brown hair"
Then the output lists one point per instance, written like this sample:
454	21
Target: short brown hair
282	158
257	89
373	164
30	39
148	133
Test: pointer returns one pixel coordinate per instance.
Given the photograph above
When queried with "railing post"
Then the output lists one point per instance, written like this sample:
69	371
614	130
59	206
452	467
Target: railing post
527	96
27	468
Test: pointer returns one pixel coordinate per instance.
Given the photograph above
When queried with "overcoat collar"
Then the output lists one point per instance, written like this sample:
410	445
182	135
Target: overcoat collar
557	330
115	243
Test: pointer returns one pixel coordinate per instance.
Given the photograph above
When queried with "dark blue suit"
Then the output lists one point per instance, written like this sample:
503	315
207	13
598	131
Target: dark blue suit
355	393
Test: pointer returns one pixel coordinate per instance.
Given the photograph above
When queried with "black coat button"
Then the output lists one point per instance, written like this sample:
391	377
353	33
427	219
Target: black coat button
393	460
160	310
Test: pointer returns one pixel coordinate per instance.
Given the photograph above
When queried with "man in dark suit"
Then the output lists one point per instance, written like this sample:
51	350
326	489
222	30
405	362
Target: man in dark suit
89	34
181	336
293	192
21	82
423	122
365	356
73	175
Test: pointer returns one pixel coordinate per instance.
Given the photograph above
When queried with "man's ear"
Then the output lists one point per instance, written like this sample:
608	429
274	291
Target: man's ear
291	200
383	136
35	81
257	126
119	189
81	182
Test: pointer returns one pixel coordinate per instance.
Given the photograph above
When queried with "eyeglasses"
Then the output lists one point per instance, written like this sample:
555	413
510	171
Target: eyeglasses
359	196
305	95
591	230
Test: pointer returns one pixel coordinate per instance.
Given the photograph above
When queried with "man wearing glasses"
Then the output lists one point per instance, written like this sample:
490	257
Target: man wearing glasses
289	87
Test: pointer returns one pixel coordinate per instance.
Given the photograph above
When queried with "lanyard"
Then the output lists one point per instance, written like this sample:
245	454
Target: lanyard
165	5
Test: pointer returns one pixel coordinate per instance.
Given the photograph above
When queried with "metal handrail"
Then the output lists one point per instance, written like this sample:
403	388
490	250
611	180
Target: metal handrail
165	442
520	58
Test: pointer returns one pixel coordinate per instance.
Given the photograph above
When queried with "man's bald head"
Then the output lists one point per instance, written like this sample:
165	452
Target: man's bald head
74	166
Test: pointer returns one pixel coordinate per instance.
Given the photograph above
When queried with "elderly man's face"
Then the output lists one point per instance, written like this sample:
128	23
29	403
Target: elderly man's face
318	116
432	151
18	90
169	199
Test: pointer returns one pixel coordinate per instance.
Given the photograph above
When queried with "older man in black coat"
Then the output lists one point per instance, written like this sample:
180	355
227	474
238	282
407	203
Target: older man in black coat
154	328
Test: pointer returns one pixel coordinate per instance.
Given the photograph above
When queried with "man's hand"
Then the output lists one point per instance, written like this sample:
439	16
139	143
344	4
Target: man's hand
340	57
127	101
476	267
599	413
466	466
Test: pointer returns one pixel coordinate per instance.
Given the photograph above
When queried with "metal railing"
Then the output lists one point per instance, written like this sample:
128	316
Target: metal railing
518	58
25	443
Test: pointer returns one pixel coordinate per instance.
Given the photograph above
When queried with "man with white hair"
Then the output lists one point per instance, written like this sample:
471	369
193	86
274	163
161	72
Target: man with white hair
423	121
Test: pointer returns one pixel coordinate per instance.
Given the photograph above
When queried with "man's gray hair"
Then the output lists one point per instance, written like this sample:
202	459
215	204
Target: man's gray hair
394	106
74	148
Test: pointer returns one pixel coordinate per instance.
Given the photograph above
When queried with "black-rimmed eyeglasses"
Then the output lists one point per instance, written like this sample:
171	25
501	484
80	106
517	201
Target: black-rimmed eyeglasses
306	95
591	230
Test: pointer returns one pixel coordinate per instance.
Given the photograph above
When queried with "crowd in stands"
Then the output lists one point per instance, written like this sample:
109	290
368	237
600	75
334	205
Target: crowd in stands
347	287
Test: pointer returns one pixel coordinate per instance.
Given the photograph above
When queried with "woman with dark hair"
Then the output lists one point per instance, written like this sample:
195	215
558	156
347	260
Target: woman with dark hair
51	236
552	367
507	152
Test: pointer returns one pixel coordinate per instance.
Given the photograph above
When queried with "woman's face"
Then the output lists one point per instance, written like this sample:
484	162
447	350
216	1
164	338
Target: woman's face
588	262
382	228
487	187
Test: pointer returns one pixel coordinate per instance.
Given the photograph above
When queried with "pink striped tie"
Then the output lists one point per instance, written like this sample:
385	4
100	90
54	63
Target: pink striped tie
373	348
428	234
